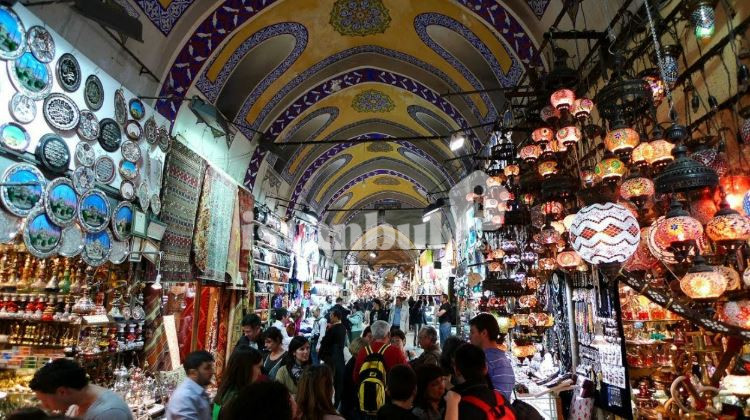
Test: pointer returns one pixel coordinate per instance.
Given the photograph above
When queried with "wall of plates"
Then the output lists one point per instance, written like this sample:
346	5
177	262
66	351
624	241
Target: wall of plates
78	152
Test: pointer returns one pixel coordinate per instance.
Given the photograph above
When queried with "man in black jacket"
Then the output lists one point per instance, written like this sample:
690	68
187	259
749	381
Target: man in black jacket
251	335
471	375
343	312
332	353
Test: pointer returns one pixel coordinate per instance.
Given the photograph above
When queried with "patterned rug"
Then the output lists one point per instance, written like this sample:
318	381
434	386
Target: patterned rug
180	199
247	203
214	225
233	254
155	348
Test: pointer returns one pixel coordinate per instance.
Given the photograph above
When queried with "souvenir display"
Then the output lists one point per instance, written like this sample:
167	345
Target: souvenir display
137	109
68	72
128	170
53	153
20	199
30	76
121	109
13	34
105	171
155	204
10	227
84	179
127	190
88	126
93	211
110	135
60	112
85	154
14	137
165	140
22	108
93	93
120	252
97	247
133	130
143	196
131	151
41	236
149	130
72	241
122	220
41	43
61	201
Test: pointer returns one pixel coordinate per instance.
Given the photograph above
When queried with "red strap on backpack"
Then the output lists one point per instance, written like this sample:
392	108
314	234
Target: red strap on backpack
499	411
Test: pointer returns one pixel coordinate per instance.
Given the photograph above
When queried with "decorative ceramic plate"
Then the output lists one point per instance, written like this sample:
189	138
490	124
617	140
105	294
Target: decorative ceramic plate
10	227
41	236
68	72
130	151
155	204
72	241
84	179
128	170
133	130
122	219
120	252
93	93
97	247
41	43
127	190
30	76
61	202
14	136
85	154
136	108
53	153
162	136
110	135
15	34
149	130
93	211
20	199
105	171
121	109
143	196
88	126
22	108
61	112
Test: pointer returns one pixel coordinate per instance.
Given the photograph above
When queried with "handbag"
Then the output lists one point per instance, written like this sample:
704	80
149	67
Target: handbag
524	410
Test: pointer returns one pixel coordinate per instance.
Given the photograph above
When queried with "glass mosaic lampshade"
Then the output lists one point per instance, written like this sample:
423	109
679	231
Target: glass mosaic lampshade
542	134
621	141
530	153
745	129
733	277
658	87
568	136
549	114
728	226
737	313
604	233
562	99
549	235
637	189
738	385
679	233
661	152
512	170
547	264
642	154
702	282
746	203
568	259
552	208
610	169
670	64
568	221
714	159
582	108
547	168
642	259
703	17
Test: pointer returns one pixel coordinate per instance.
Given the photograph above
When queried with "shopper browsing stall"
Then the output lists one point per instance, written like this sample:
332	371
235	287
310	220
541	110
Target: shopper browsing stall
485	333
275	357
295	362
243	368
281	319
190	400
251	332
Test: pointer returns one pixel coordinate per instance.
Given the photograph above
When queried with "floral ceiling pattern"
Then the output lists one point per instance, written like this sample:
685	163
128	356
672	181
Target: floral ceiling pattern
373	100
164	14
359	17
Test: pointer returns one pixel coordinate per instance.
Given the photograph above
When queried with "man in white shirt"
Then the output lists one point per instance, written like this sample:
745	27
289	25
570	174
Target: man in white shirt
281	318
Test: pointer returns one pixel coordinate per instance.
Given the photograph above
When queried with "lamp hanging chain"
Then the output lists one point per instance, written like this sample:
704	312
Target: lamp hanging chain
659	57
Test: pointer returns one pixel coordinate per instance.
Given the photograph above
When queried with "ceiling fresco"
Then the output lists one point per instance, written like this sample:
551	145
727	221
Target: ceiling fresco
164	14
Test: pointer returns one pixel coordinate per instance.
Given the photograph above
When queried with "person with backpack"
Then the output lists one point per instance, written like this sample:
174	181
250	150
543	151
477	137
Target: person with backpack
373	363
478	400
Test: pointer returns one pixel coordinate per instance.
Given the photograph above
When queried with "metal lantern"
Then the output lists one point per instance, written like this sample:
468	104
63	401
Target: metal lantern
610	169
542	134
702	282
642	154
562	99
604	233
530	153
621	141
582	108
568	136
685	174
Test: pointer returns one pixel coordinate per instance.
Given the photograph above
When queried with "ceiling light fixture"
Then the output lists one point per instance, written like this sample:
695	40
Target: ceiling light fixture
457	141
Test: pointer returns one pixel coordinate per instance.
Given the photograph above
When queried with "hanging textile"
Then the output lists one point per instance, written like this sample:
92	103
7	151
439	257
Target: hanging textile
246	203
426	258
155	348
180	197
233	253
213	226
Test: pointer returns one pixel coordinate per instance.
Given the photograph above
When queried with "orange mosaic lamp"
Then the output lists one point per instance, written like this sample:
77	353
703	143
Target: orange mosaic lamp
530	153
702	282
642	154
542	134
621	141
661	153
637	189
610	169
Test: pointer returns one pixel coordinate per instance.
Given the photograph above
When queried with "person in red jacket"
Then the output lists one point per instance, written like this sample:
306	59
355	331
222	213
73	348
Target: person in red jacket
380	336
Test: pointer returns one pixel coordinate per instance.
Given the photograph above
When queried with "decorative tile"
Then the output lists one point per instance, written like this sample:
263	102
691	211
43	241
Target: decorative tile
128	8
538	7
164	17
372	100
359	17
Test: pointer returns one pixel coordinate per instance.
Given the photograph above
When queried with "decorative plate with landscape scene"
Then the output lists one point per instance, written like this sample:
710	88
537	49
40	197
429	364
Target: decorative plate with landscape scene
41	236
14	136
61	202
122	219
20	199
93	211
96	248
12	34
72	241
30	76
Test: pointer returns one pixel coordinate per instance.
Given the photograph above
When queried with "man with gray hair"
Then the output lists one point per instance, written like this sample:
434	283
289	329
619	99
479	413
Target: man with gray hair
381	336
428	341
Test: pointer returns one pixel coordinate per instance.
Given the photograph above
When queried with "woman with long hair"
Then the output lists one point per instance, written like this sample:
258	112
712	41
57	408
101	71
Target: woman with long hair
316	393
274	346
243	368
429	403
297	359
264	400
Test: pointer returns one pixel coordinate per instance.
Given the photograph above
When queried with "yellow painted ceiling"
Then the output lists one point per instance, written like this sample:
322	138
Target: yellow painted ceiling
369	187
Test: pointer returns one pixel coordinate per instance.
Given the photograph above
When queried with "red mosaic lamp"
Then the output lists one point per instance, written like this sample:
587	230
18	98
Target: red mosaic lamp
679	233
542	134
582	108
530	153
562	99
728	228
568	136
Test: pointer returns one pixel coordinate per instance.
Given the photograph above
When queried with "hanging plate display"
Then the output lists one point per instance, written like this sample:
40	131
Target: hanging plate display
85	154
93	211
96	248
133	130
155	204
88	125
61	202
83	179
163	138
104	168
143	196
149	130
22	108
53	153
127	190
41	236
41	43
136	108
119	252
128	170
30	76
121	109
110	135
122	219
20	199
71	244
130	151
14	136
10	227
13	34
68	72
93	93
61	112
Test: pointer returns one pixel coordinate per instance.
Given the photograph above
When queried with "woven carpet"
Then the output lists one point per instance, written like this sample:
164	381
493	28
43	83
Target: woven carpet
247	202
184	175
233	254
213	225
155	348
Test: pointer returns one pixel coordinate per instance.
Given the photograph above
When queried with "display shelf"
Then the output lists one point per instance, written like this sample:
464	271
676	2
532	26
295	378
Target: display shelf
271	248
270	281
280	267
271	229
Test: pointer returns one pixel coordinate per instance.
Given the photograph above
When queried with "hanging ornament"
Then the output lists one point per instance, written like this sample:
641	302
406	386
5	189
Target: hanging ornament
621	140
679	233
670	63
604	233
562	99
542	134
582	108
610	169
642	154
703	18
